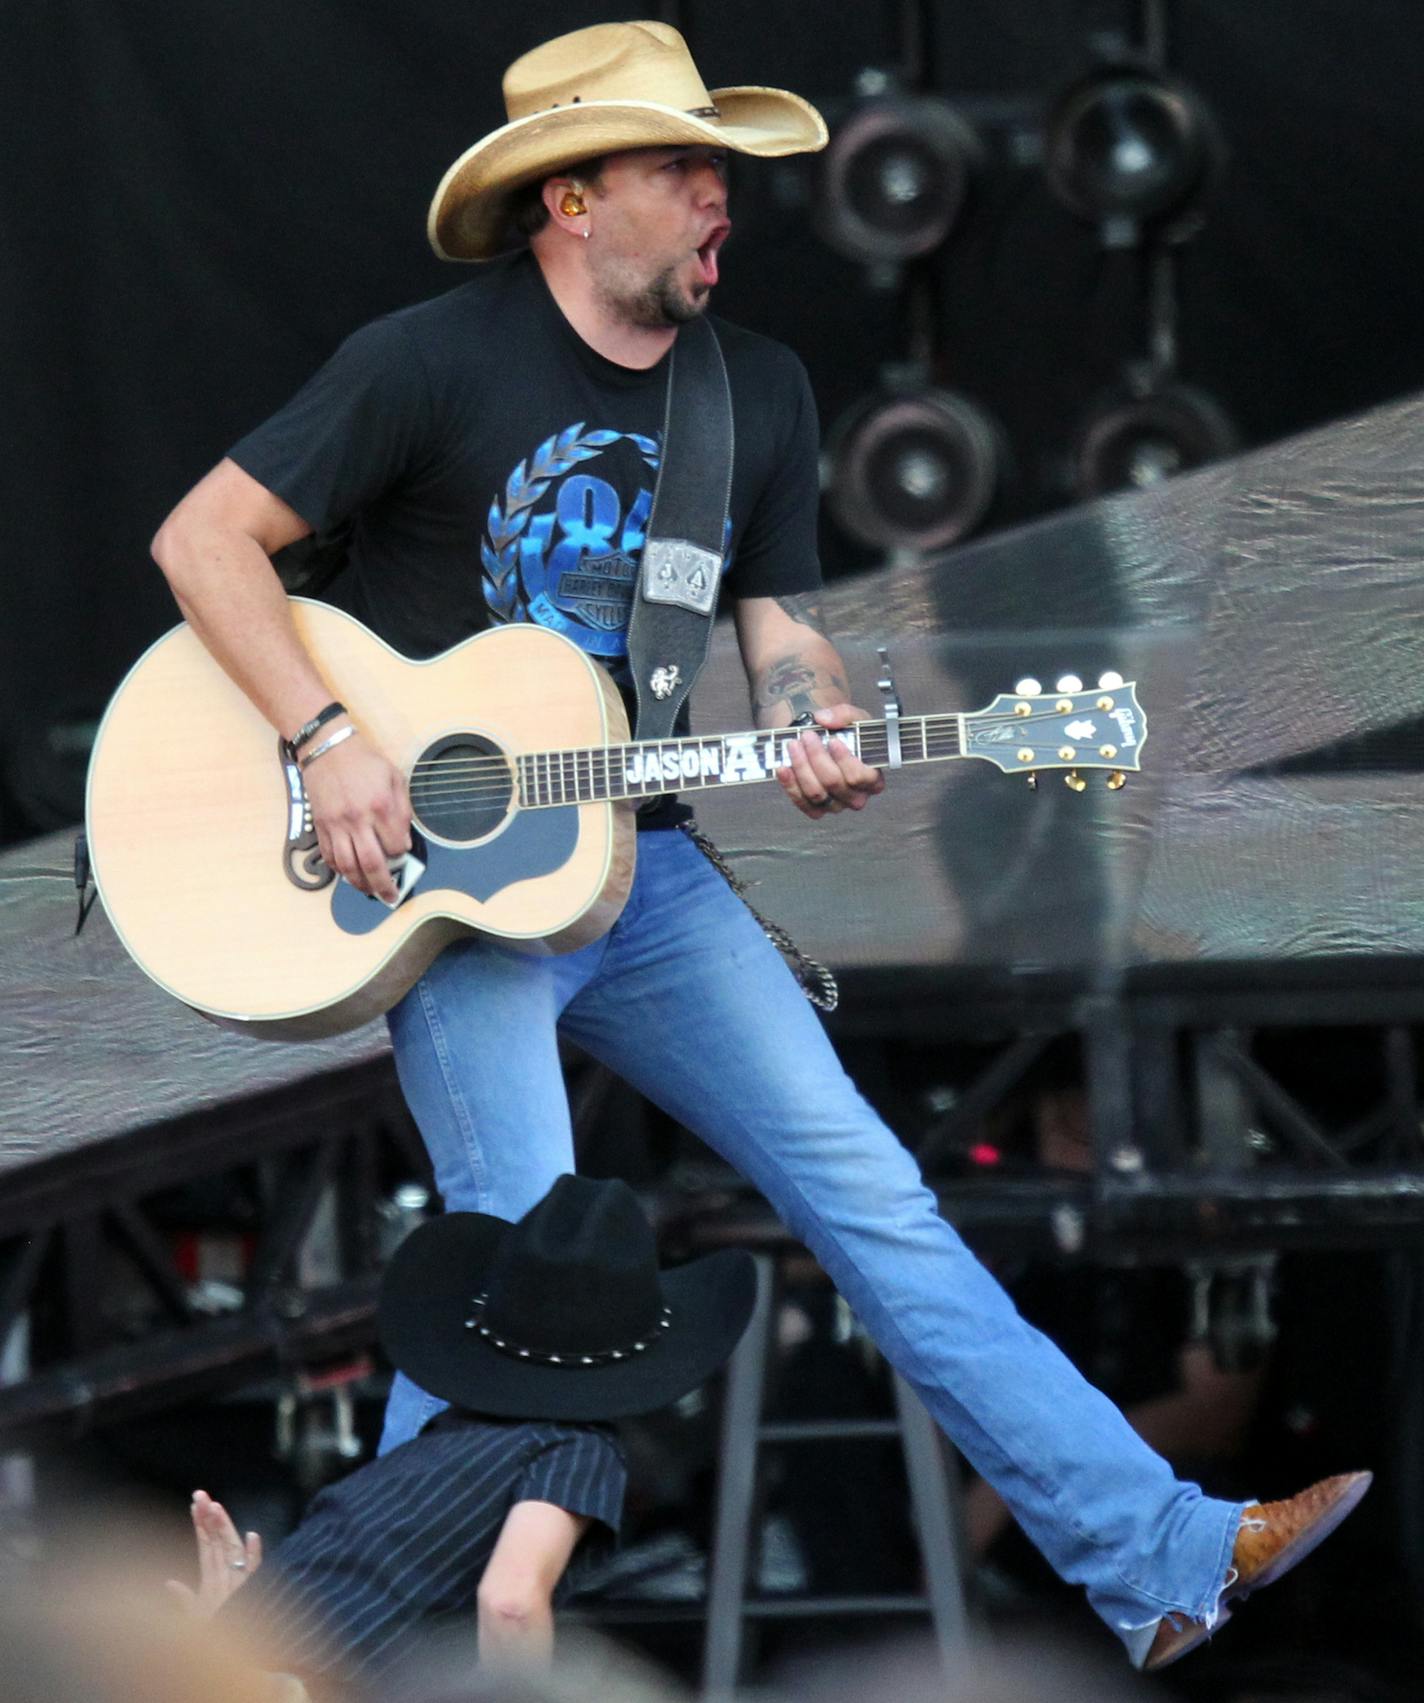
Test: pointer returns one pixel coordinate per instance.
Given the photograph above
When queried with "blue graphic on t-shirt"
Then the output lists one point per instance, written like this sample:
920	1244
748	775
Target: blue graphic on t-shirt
572	565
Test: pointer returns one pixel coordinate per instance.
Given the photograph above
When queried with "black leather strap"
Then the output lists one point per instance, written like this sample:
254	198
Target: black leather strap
671	624
315	725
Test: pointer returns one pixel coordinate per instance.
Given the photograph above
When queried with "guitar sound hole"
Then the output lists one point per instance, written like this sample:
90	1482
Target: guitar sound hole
462	787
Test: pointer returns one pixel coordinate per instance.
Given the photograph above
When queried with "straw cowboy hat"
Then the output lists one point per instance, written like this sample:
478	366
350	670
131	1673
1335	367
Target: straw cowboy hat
564	1315
598	91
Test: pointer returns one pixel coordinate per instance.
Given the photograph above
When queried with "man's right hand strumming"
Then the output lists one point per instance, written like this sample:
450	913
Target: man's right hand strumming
215	550
360	808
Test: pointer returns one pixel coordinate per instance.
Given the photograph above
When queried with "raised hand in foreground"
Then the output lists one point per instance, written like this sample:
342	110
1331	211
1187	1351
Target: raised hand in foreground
225	1559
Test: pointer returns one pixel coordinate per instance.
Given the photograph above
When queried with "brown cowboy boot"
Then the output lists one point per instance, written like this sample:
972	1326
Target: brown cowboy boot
1272	1538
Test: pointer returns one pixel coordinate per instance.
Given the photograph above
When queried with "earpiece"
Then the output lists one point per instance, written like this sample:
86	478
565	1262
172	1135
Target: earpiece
572	204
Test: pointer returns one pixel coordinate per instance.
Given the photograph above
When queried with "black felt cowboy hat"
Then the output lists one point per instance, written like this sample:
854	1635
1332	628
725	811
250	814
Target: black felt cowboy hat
564	1315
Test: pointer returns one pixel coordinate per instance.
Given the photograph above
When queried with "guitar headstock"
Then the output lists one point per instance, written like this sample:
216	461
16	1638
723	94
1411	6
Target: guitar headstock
1028	730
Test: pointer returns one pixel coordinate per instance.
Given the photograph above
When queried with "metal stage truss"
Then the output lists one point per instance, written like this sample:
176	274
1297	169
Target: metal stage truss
1203	1155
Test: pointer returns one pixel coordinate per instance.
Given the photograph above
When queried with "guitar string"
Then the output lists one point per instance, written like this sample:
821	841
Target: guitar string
495	763
445	787
560	785
616	754
945	719
578	769
552	791
569	769
616	757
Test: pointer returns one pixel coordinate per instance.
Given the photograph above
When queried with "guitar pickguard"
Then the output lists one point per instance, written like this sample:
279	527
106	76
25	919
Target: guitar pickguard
301	858
536	842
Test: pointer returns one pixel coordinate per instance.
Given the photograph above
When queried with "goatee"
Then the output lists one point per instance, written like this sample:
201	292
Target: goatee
663	303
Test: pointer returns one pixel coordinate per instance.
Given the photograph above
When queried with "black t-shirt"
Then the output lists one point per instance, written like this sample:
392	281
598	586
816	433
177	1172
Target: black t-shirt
495	468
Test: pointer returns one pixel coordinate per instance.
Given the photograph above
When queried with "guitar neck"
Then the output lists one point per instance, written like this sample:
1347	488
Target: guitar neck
644	768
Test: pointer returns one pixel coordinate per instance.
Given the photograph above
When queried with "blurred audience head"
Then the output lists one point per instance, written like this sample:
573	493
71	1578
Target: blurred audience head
587	1669
94	1625
1027	1670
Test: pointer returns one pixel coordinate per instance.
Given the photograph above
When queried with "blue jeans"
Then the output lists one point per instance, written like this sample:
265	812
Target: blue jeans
687	1000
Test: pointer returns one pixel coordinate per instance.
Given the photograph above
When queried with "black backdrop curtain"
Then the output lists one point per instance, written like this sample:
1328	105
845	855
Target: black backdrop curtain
198	201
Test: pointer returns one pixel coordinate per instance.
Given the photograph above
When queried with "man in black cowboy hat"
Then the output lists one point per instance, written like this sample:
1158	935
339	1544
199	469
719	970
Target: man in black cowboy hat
538	1333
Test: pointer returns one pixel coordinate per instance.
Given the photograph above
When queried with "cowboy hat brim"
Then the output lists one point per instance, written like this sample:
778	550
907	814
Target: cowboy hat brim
467	214
426	1298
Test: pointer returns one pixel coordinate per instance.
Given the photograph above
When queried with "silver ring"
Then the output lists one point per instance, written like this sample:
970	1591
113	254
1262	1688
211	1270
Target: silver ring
238	1566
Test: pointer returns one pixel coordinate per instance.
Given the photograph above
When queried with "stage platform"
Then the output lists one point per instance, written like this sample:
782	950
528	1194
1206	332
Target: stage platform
96	1055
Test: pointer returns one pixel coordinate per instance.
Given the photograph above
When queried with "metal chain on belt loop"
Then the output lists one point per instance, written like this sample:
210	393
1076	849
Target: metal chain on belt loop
817	982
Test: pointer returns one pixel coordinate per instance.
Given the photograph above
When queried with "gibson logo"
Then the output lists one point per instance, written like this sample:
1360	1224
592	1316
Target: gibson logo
1127	722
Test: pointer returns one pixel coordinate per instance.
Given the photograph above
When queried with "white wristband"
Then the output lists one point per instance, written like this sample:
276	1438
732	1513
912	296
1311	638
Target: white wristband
327	744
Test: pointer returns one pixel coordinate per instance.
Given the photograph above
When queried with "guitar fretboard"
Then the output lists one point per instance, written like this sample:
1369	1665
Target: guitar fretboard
605	773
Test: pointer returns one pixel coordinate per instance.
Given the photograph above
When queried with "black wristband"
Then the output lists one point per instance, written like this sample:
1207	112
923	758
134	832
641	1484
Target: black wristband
319	720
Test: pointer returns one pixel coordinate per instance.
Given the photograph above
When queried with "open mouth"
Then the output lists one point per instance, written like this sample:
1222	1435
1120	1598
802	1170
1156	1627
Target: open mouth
707	252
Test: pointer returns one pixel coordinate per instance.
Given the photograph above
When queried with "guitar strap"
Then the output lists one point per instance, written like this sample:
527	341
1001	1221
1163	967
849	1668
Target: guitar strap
671	624
670	627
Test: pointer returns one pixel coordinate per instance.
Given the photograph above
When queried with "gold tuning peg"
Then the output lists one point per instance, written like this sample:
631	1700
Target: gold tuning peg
1117	780
1074	781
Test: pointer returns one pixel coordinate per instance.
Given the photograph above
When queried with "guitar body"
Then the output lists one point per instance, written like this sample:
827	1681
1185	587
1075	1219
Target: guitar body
195	823
522	782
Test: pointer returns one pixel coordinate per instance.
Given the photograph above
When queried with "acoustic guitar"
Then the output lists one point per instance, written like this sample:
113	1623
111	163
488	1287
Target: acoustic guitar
523	782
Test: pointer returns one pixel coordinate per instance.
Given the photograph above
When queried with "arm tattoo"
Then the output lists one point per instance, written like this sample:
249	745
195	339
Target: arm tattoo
794	682
805	607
